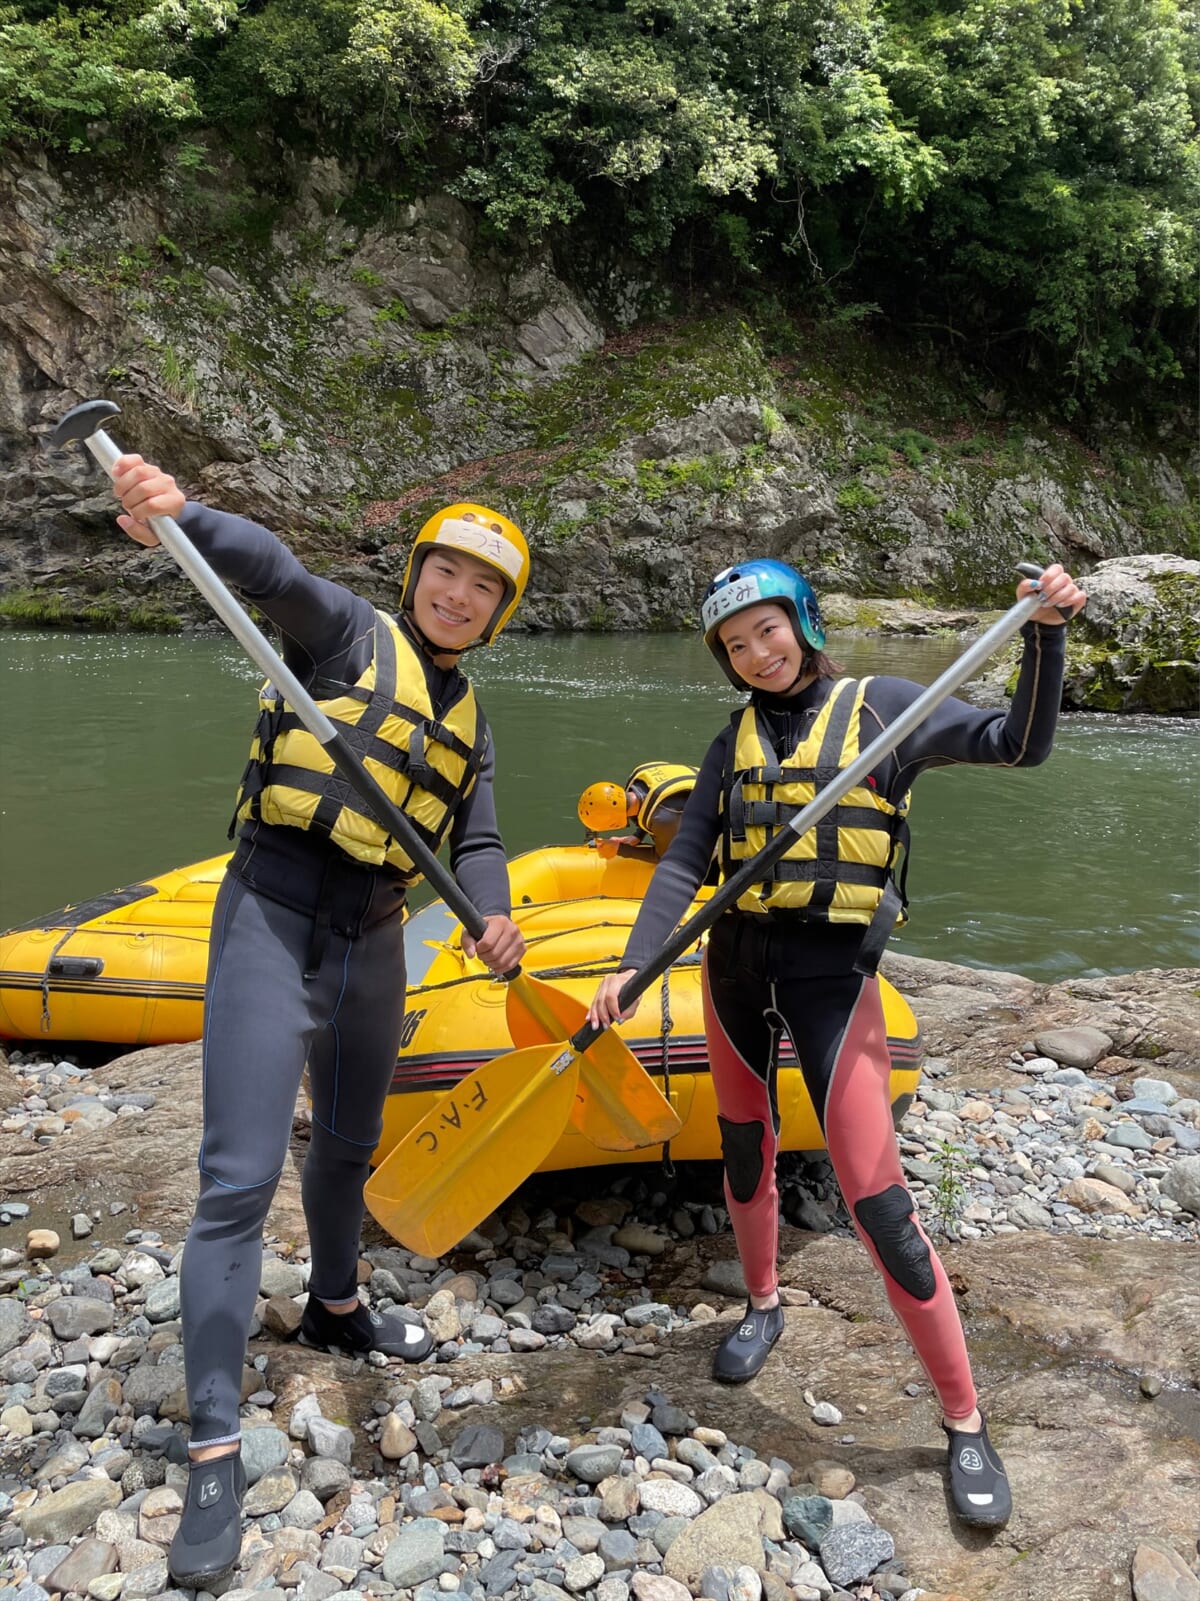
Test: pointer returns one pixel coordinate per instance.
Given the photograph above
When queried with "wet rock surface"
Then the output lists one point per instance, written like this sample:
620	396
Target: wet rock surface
391	366
567	1438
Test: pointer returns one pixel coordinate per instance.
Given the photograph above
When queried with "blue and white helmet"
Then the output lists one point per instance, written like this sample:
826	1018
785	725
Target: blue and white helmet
751	583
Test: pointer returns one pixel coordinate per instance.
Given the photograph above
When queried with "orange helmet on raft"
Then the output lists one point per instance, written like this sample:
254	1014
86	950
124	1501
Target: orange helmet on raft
603	806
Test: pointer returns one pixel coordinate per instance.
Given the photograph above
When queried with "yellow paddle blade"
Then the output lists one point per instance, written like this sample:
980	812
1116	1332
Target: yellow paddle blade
471	1151
620	1101
618	1107
538	1013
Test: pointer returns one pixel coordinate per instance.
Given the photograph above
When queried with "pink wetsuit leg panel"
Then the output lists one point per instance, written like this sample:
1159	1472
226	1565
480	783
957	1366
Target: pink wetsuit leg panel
866	1159
749	1137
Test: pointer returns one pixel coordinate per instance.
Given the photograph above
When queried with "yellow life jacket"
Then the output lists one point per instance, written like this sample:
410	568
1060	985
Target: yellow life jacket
655	782
842	870
425	764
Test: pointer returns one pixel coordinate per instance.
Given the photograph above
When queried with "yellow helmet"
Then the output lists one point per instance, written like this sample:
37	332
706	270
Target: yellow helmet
653	783
487	535
601	807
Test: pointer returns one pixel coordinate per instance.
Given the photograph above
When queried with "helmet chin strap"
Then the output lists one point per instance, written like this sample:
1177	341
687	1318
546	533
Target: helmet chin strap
424	644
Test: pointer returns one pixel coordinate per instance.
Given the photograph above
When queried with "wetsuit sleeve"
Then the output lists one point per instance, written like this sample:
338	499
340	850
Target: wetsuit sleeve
684	867
324	626
477	857
960	733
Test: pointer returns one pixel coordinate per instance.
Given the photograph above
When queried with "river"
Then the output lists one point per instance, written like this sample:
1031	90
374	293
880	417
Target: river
121	754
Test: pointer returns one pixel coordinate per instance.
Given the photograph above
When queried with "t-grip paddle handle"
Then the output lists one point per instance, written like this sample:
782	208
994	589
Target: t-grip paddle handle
1030	569
84	423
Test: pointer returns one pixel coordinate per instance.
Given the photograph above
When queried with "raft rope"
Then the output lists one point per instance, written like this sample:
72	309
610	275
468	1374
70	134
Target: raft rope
668	1166
46	979
607	964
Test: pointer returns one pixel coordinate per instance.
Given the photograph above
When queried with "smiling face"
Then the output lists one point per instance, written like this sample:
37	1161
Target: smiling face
455	598
762	648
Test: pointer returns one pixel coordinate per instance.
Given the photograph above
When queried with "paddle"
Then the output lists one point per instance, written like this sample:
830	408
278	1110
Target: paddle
622	1108
477	1135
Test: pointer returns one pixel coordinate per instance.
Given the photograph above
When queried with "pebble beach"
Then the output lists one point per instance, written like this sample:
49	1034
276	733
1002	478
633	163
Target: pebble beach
424	1495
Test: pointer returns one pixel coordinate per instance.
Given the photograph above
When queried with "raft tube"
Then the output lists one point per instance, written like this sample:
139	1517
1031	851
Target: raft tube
126	968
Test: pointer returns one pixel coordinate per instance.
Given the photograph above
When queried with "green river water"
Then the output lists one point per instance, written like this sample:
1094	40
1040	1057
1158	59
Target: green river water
121	755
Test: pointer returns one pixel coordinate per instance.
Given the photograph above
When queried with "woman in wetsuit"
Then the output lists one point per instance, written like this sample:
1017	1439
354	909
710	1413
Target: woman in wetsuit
306	959
800	950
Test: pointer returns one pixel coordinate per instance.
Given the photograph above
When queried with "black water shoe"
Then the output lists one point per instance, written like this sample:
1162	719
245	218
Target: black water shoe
741	1354
209	1537
978	1483
363	1330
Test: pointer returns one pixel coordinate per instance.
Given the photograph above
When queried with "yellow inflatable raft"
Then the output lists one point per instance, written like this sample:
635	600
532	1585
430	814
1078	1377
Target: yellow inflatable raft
575	908
128	968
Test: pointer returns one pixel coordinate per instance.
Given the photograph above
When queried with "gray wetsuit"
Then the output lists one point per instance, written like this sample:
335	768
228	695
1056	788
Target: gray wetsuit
306	965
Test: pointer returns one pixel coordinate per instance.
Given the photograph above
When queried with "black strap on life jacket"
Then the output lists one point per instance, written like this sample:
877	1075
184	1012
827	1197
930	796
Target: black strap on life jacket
829	768
266	727
364	740
318	940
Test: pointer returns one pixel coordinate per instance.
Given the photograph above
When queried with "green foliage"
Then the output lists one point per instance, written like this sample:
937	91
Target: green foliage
949	1195
69	78
873	454
36	608
912	445
179	376
1068	212
856	497
710	475
773	422
1019	181
33	608
101	75
345	73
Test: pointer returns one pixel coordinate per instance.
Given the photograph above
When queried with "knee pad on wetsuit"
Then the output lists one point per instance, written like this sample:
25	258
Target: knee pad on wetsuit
887	1219
741	1147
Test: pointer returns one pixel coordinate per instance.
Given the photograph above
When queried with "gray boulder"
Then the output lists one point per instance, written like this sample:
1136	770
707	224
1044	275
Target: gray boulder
1182	1184
1136	648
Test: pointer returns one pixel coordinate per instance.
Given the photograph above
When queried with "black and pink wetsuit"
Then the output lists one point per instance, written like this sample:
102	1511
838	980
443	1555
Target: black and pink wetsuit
786	971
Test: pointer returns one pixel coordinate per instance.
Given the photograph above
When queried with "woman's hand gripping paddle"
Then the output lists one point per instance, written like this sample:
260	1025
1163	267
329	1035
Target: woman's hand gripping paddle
493	1168
620	1108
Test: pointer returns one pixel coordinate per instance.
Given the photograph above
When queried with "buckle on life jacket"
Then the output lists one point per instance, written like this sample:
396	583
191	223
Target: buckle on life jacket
417	768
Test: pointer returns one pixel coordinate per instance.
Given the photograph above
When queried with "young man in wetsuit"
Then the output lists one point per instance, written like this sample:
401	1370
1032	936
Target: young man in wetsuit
306	959
799	951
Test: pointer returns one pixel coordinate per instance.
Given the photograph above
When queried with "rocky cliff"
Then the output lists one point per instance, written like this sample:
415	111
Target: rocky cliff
336	374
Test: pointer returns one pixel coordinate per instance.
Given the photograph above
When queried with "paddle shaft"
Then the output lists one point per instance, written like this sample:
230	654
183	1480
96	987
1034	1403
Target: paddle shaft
752	872
325	732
